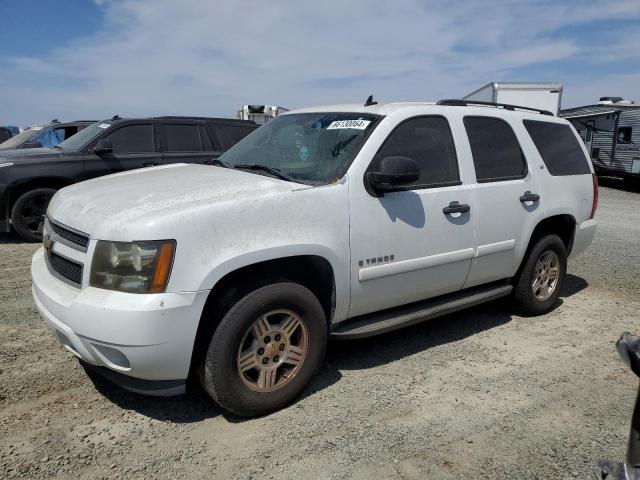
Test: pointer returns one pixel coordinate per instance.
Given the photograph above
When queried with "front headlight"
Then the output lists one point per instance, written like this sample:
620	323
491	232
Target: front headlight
137	267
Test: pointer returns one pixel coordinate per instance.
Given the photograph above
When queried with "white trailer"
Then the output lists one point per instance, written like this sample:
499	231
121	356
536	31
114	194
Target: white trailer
543	96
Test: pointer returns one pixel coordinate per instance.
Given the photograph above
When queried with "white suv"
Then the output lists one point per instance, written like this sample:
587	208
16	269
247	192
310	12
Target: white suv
340	221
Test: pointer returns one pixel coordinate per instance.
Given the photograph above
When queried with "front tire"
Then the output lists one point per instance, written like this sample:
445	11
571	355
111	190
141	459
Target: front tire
542	276
266	349
27	214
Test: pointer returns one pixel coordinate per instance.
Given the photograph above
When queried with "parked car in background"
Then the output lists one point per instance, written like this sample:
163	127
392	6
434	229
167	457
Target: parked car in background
42	136
345	220
8	131
29	178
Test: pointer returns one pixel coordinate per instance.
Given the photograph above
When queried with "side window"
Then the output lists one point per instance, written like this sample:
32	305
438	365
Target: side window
497	155
182	138
428	141
237	133
624	134
206	141
133	139
61	134
558	147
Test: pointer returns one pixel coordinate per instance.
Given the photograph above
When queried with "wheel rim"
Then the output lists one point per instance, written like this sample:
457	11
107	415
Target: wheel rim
33	211
547	274
272	351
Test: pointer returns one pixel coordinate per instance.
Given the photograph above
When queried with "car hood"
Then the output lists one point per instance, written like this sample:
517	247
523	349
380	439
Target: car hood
18	154
133	205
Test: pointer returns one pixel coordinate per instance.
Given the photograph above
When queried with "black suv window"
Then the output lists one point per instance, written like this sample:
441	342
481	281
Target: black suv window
182	138
428	141
133	139
495	149
558	147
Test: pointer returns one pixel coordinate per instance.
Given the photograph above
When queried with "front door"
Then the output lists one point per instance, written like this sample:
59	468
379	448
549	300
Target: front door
404	246
133	147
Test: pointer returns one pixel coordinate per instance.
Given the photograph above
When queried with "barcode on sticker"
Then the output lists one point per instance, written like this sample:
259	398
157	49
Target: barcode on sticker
104	125
357	124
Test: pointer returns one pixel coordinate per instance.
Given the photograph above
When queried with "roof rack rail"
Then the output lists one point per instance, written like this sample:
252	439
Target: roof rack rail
454	102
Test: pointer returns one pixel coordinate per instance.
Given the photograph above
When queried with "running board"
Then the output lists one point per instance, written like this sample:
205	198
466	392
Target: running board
400	317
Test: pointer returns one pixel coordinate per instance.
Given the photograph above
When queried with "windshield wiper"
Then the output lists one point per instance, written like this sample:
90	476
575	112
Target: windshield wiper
57	147
264	168
217	163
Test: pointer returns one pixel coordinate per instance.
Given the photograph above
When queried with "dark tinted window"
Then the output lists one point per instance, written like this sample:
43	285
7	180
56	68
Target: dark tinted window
495	149
558	147
428	141
182	138
229	135
624	134
5	134
133	139
206	141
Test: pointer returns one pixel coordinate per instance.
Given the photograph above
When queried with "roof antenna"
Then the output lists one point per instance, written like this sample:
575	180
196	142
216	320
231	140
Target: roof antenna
115	117
370	101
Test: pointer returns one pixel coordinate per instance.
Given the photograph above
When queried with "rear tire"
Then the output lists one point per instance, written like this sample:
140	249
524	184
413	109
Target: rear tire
266	349
27	214
542	276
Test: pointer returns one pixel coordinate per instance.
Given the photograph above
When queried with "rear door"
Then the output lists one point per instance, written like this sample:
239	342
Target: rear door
506	197
186	143
134	146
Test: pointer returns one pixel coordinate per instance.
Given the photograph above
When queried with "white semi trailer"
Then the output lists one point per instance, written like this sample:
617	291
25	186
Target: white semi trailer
543	96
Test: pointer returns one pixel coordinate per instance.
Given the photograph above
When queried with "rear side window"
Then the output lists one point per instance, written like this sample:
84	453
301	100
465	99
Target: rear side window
558	147
133	139
182	138
497	155
229	135
427	141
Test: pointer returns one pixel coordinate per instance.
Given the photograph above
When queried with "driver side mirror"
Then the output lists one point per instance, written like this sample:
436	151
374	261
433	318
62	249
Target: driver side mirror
103	146
393	174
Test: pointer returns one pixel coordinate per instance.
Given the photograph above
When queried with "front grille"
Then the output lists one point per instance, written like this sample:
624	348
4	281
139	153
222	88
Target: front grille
76	238
66	268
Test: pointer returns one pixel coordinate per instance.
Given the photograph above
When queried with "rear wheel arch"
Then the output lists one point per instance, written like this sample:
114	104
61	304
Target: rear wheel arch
311	271
563	225
18	189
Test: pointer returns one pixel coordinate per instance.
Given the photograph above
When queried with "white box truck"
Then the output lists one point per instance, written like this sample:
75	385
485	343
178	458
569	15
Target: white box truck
543	96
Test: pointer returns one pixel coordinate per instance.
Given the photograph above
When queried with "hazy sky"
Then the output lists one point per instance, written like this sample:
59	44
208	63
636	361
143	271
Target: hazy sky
80	59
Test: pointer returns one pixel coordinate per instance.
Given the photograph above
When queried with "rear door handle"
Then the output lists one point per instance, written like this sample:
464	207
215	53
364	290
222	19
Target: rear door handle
529	197
150	164
456	207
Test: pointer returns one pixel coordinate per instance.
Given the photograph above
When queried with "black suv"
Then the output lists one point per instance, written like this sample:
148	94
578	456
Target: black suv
45	135
29	178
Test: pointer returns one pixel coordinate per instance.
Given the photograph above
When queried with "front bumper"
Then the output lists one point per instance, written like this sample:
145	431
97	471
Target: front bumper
585	233
146	337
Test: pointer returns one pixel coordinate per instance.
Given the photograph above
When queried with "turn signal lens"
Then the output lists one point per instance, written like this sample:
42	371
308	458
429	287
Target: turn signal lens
594	205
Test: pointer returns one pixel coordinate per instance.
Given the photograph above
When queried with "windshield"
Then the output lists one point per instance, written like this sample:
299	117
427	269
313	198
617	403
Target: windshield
34	137
84	136
311	148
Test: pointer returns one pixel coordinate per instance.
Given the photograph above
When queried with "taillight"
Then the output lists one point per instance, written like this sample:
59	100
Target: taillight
594	205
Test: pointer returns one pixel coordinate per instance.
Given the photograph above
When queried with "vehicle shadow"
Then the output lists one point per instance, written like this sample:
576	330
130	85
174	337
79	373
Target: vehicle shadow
195	406
341	355
619	184
10	238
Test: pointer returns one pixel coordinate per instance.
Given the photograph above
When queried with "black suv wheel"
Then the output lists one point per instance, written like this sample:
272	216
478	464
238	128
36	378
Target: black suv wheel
27	214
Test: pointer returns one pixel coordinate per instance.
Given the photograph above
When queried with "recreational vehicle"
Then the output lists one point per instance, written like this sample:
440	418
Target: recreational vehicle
611	131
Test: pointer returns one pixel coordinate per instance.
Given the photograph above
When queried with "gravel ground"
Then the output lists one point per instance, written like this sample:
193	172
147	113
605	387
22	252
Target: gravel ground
478	394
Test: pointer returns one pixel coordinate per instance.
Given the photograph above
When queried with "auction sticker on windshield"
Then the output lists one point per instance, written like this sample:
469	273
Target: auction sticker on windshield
357	124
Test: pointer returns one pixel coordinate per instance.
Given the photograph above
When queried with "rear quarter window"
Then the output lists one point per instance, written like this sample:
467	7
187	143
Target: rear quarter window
559	148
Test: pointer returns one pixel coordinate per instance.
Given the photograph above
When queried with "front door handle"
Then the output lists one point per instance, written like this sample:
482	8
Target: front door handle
150	164
529	197
456	207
